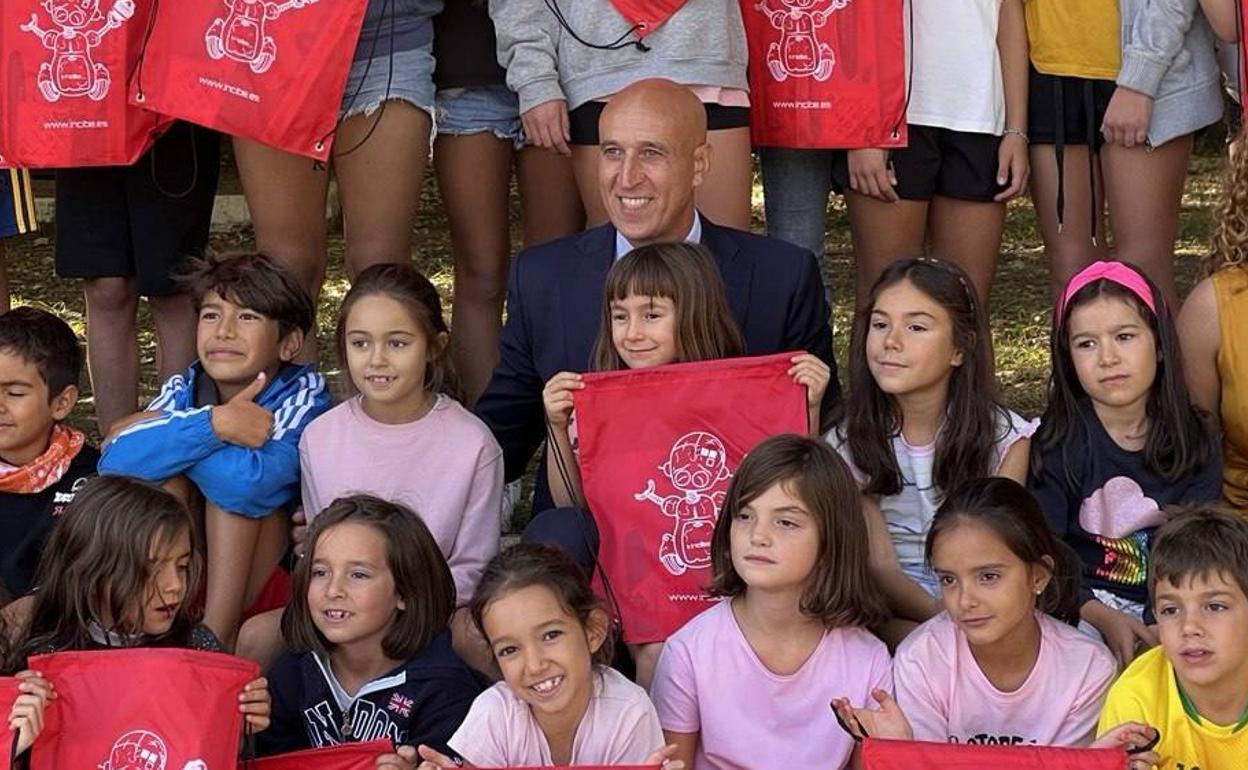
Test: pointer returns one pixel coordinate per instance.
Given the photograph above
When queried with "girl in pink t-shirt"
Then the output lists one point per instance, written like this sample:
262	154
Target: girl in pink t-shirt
559	703
747	683
997	667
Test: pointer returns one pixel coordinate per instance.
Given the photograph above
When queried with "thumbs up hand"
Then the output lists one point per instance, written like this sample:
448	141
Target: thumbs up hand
241	420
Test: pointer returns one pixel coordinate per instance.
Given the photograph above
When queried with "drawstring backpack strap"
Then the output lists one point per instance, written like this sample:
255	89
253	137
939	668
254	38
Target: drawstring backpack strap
615	45
1059	149
1089	108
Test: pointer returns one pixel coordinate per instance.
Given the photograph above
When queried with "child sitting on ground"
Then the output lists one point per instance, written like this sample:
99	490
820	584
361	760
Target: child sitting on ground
1194	687
43	463
231	424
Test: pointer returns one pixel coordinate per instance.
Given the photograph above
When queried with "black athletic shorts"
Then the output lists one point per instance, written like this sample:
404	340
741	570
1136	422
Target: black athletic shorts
584	120
937	161
1067	109
141	221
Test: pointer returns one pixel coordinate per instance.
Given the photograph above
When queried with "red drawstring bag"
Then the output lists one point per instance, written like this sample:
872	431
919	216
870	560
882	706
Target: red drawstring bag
657	450
8	694
268	70
142	709
826	73
647	15
63	89
909	755
347	756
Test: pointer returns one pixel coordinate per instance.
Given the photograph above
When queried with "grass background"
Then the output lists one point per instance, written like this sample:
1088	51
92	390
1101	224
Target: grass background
1020	309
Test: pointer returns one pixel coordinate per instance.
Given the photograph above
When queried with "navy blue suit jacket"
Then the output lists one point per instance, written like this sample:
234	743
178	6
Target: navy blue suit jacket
554	306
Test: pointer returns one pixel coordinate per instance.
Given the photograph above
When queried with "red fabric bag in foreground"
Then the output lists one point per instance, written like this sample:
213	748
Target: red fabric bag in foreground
348	756
8	694
657	450
268	70
826	73
142	709
63	80
919	755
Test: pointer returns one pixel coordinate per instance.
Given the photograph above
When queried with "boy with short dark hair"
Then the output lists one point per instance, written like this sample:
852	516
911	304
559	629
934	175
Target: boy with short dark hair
231	424
43	462
1194	687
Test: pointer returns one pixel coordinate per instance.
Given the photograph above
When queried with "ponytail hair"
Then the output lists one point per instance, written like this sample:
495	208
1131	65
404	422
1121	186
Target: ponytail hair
1014	516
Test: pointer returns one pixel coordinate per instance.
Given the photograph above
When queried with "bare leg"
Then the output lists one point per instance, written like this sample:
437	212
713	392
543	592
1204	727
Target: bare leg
473	176
1070	250
646	659
549	200
724	196
173	315
380	182
286	197
969	234
585	166
240	557
471	646
260	638
883	233
112	348
1145	191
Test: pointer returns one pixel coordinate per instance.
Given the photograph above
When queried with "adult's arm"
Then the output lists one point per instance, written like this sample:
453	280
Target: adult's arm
1222	17
511	405
527	35
1157	34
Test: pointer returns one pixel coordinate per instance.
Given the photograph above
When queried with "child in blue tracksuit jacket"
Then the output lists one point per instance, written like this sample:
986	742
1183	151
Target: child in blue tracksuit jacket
231	424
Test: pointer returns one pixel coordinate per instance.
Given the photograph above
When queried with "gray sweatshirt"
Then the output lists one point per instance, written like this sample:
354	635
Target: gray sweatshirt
703	43
1168	54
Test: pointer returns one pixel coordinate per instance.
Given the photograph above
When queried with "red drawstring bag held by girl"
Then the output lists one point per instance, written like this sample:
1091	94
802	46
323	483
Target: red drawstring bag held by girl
658	448
878	754
63	83
826	73
142	709
348	756
268	70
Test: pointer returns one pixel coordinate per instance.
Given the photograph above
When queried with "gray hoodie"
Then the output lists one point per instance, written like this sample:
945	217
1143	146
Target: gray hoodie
1168	54
703	43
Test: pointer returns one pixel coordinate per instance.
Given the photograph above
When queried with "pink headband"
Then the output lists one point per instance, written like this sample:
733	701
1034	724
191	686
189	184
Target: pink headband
1110	271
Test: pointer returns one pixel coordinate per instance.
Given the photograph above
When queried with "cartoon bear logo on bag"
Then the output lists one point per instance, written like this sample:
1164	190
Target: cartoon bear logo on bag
77	28
242	33
142	750
799	52
696	465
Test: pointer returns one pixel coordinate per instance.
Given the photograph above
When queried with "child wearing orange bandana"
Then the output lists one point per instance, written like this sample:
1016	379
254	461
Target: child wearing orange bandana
43	463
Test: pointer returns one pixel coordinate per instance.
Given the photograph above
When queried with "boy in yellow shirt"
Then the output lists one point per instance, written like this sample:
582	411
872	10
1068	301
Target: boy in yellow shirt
1194	687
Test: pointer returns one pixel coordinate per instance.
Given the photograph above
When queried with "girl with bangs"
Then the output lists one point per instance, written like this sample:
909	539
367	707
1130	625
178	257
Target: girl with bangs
662	304
752	676
119	571
922	418
1119	442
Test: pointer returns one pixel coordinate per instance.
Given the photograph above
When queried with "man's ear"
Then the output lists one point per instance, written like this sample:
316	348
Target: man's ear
290	345
63	402
701	163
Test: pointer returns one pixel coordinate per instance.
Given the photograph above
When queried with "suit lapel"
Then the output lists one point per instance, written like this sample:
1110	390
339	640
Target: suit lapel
735	269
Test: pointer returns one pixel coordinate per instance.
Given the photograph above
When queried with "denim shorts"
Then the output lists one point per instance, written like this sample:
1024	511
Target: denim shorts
477	109
406	76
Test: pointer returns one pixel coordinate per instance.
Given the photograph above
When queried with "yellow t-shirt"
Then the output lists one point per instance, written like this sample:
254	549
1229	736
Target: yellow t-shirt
1075	38
1230	285
1147	692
